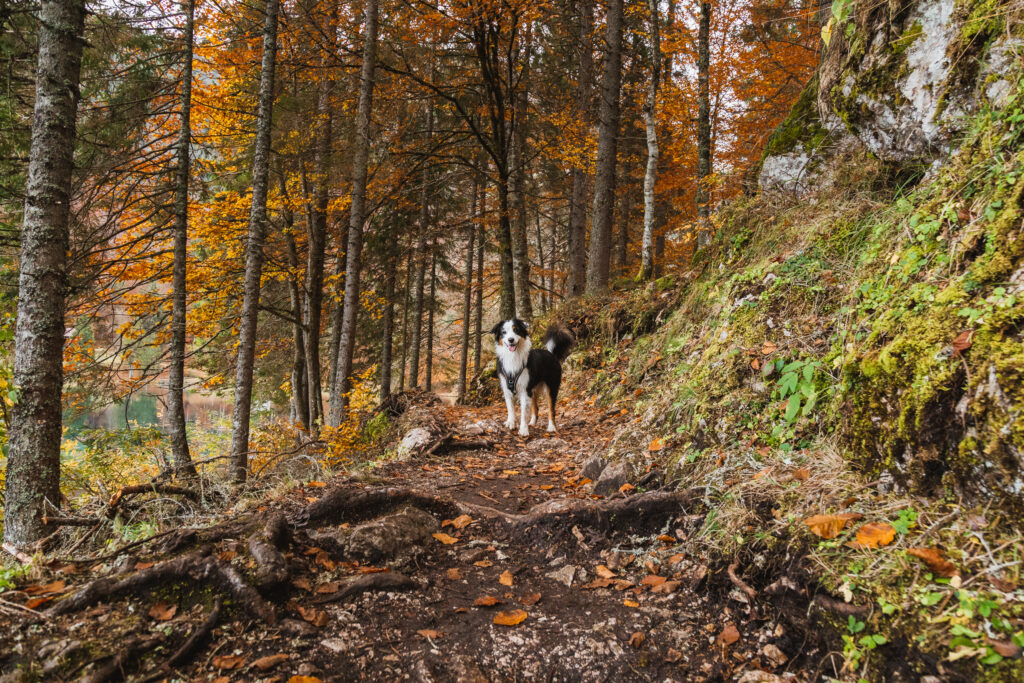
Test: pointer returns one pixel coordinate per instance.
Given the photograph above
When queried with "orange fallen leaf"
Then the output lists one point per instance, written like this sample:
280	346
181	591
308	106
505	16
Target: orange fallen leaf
313	616
768	348
801	474
935	561
678	557
304	679
328	587
459	522
630	603
546	487
626	488
163	611
453	574
653	580
37	602
228	661
874	535
227	555
316	484
637	639
303	583
445	538
513	618
54	587
530	599
604	572
486	601
729	635
269	662
656	445
962	342
598	583
623	584
484	563
145	565
429	633
665	538
830	526
506	578
666	587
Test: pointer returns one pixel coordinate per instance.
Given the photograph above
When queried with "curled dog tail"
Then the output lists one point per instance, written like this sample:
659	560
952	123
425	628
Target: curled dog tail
558	341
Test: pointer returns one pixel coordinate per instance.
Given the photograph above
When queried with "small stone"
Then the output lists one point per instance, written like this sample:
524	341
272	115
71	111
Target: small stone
296	628
547	444
611	479
565	575
774	655
307	669
336	645
592	468
756	676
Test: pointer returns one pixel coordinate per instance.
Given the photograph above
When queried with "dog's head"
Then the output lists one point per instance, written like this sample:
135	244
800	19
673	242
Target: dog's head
511	335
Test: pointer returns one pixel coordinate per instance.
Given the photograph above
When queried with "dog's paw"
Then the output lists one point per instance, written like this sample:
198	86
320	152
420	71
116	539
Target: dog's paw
510	424
524	430
551	428
533	420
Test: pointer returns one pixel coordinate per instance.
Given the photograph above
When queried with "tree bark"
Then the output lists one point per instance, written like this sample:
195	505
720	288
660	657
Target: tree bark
599	258
388	322
467	300
478	317
428	369
578	198
420	264
406	302
33	464
176	373
254	250
703	122
357	216
520	242
650	123
507	300
300	378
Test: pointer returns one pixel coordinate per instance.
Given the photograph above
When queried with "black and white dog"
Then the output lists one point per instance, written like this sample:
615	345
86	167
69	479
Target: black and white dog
529	374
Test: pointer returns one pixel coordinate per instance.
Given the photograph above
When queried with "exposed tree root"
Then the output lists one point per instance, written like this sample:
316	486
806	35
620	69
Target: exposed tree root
347	504
383	581
271	567
191	645
194	568
839	607
739	583
643	510
114	670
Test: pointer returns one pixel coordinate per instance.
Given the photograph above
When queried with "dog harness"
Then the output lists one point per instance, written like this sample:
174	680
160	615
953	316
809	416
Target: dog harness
510	380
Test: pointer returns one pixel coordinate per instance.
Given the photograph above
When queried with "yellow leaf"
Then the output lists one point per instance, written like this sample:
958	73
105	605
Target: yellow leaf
874	535
830	526
506	578
445	538
459	522
630	603
513	618
656	445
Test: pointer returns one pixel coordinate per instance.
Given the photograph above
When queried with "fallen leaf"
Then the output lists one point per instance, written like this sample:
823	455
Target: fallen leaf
546	487
453	574
313	616
626	488
303	583
874	535
666	587
665	538
227	555
830	526
304	679
506	578
325	561
316	484
516	616
801	474
935	561
630	603
445	538
328	587
769	347
459	522
755	364
53	587
484	563
598	583
530	599
678	557
637	639
653	580
486	601
269	662
673	655
228	661
146	565
962	342
429	633
729	635
163	611
656	445
623	584
1005	648
36	602
604	572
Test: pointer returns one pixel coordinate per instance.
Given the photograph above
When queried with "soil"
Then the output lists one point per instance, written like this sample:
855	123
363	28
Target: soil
405	572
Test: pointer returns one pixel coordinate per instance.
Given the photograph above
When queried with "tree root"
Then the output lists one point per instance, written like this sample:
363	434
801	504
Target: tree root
191	568
348	504
839	607
114	670
739	583
383	581
184	653
271	567
640	510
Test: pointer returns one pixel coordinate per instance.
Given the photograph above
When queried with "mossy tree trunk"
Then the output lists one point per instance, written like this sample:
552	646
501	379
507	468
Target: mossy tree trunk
577	236
33	463
703	122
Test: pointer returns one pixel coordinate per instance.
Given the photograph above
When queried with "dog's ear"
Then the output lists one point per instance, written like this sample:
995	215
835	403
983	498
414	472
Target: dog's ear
496	330
521	328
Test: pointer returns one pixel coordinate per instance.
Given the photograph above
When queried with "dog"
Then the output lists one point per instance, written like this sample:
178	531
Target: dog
527	373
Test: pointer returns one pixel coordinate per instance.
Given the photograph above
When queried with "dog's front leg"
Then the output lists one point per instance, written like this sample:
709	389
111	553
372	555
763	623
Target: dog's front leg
524	408
511	421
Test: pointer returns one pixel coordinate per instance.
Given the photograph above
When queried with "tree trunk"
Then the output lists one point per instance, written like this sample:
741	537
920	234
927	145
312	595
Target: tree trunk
703	122
254	250
481	239
176	374
622	243
599	259
405	316
520	242
388	322
33	464
541	264
507	301
577	237
650	122
420	265
428	369
357	216
467	300
300	377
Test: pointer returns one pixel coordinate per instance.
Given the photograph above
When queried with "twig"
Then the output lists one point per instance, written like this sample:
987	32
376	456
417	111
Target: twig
15	605
278	456
739	583
119	551
70	521
17	554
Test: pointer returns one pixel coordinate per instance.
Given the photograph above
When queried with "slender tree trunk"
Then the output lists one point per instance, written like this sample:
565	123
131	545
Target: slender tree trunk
576	248
520	242
622	244
507	301
407	300
357	216
703	122
650	123
176	375
599	259
388	322
254	250
33	459
478	317
420	265
577	238
541	265
467	301
428	369
300	377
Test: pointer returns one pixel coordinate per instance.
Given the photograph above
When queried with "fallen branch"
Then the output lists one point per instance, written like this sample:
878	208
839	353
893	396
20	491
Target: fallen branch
70	521
17	554
120	551
739	583
383	581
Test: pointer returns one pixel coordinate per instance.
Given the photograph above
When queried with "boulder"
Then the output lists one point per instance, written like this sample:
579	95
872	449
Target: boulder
612	479
414	441
593	467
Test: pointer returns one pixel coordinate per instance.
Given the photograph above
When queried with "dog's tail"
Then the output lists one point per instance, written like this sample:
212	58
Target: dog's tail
558	341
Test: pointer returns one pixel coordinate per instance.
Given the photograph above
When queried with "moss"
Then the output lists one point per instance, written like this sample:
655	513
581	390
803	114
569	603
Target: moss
911	34
801	127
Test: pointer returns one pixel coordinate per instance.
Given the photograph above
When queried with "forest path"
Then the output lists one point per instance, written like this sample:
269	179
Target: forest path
492	563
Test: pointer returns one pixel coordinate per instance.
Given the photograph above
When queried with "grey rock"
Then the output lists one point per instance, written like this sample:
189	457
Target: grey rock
336	645
565	575
547	444
413	442
296	628
592	468
611	479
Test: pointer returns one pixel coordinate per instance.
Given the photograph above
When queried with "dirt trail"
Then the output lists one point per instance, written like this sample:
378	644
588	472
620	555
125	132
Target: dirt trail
592	587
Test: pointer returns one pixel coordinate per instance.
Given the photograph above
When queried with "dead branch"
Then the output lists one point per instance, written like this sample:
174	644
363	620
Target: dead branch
70	521
739	583
383	581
